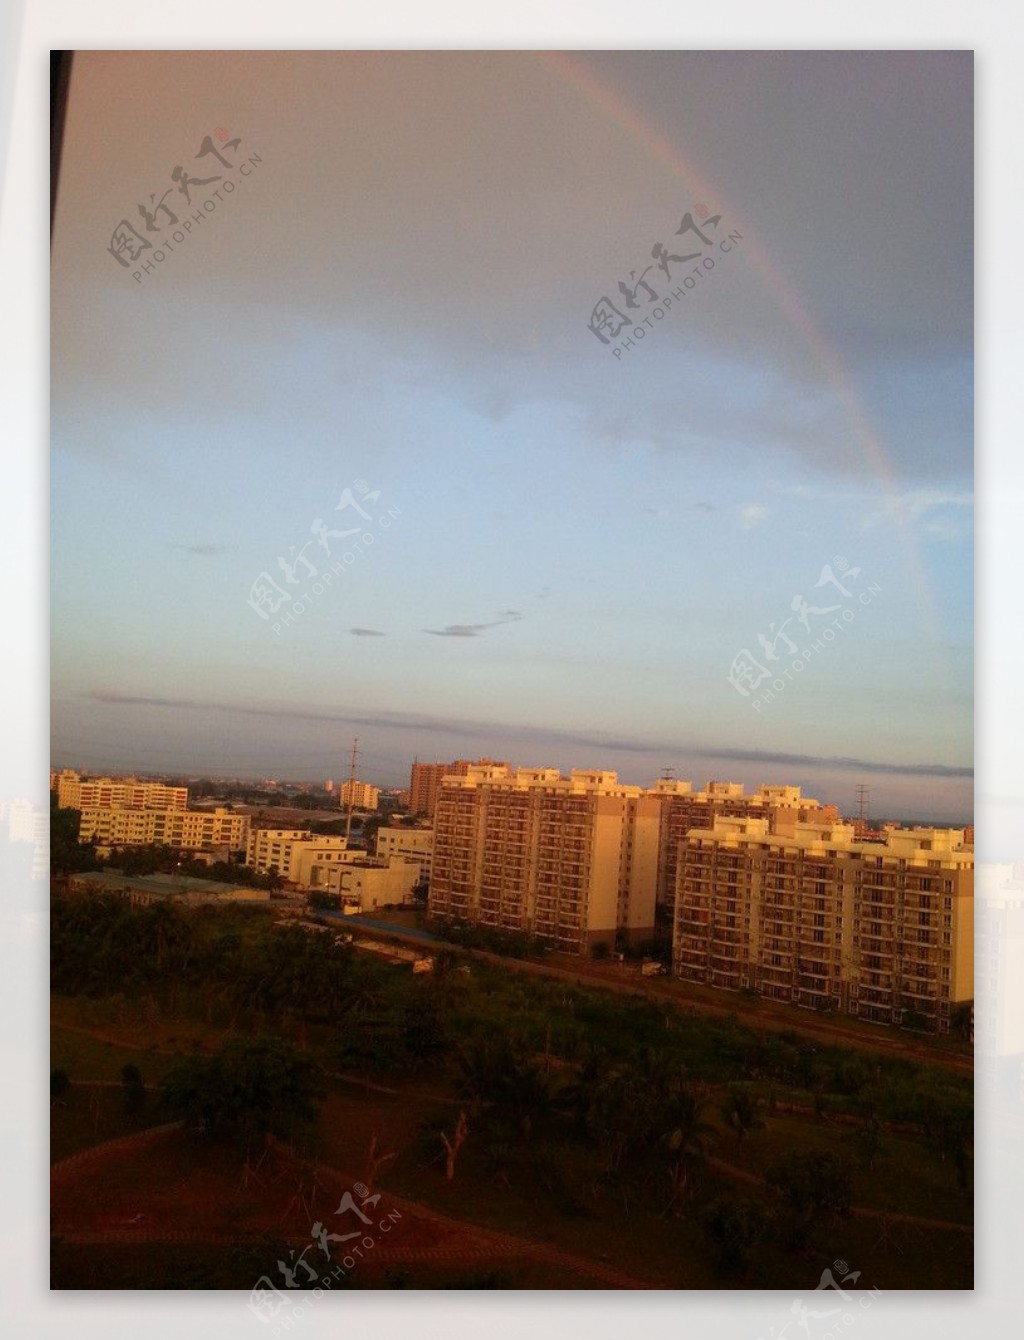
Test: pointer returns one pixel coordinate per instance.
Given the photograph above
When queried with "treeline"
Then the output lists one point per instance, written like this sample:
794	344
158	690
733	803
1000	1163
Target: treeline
471	935
604	1102
238	969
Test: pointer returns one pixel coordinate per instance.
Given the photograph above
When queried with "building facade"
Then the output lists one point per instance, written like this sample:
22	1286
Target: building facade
683	809
572	860
188	830
75	792
360	795
297	855
425	781
415	845
365	883
881	929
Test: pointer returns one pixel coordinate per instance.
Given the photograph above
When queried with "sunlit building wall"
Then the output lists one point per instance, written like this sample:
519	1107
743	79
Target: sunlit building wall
880	929
572	860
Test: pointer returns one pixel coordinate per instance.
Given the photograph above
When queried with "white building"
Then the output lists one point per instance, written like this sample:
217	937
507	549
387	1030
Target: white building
415	845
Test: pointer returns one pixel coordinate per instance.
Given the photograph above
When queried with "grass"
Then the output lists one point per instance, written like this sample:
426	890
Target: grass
907	1178
90	1115
541	1191
87	1058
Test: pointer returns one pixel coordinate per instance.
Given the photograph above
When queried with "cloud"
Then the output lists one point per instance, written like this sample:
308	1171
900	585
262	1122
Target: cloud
543	738
751	514
460	630
205	549
474	629
939	512
705	507
366	632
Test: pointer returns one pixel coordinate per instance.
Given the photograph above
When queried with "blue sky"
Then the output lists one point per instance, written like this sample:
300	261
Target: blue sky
398	293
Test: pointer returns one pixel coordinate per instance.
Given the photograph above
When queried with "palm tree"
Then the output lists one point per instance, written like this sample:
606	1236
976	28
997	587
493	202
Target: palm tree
685	1135
740	1109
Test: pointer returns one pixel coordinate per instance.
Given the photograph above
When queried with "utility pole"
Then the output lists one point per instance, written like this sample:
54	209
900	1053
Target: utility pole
351	789
862	803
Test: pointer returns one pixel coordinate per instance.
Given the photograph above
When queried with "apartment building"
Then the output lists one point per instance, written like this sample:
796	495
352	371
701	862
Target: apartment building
425	781
359	795
683	809
415	845
75	792
298	855
882	929
572	860
188	830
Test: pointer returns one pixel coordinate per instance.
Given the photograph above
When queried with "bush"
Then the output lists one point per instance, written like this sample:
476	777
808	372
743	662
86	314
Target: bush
735	1226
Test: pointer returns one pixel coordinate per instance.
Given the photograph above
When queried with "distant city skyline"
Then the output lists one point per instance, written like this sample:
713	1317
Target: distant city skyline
829	787
386	327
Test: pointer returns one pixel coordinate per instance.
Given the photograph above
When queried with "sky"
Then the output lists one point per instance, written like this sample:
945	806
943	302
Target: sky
562	548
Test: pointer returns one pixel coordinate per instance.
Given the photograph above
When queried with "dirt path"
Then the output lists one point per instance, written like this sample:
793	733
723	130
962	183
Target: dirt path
113	1040
483	1247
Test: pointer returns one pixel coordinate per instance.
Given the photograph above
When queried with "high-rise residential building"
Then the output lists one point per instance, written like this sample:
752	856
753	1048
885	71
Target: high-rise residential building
882	929
425	779
360	795
188	830
684	809
75	792
572	860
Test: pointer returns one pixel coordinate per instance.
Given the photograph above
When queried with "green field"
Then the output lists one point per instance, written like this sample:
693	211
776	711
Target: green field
575	1099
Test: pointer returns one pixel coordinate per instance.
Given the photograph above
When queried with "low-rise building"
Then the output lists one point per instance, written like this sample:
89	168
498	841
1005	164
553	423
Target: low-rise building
364	884
75	792
141	890
299	856
186	830
415	845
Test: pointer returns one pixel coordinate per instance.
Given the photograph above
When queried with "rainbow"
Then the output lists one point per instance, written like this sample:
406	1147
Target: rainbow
574	71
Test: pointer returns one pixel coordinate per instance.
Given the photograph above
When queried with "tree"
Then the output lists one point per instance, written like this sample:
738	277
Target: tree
735	1226
454	1144
684	1138
375	1160
249	1088
739	1109
67	855
133	1091
868	1139
961	1020
322	901
815	1185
